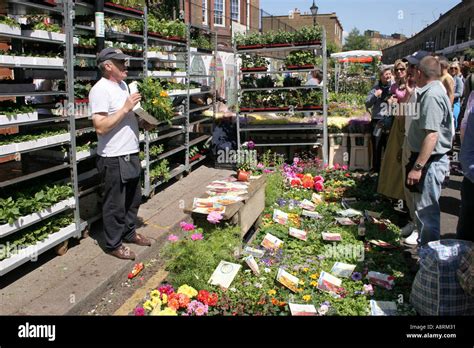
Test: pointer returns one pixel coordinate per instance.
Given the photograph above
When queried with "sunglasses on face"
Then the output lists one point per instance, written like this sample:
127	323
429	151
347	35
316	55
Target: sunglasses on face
400	69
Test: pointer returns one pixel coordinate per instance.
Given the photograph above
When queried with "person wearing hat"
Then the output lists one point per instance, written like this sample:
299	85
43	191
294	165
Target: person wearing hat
377	101
118	146
429	139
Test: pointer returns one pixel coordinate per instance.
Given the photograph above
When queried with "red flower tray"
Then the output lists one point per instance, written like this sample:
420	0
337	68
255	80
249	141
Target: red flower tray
300	67
259	68
123	8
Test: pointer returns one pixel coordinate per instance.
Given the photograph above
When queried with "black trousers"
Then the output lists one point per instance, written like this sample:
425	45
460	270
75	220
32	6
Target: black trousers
378	145
466	217
120	203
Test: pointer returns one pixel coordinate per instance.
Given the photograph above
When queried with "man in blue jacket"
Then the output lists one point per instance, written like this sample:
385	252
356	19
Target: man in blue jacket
378	100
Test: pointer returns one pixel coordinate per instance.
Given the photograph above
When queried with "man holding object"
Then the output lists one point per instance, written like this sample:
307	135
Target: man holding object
118	147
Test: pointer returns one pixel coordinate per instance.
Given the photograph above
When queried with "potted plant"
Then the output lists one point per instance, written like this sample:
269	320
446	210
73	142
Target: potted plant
247	42
246	161
254	63
300	60
130	5
307	36
9	26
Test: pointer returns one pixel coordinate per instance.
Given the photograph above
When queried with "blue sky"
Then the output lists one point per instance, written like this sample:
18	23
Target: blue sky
386	16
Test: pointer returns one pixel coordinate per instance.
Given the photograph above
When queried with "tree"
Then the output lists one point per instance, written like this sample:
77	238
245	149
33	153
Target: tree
356	41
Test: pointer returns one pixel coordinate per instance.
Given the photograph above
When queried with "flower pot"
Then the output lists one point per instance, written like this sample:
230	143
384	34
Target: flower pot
123	8
300	67
259	68
243	175
249	47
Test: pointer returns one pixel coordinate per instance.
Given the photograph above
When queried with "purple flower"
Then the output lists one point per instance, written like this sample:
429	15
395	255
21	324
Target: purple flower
326	303
214	217
356	276
281	202
266	171
139	312
197	236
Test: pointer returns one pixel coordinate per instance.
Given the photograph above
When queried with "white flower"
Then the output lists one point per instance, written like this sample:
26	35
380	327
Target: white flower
267	270
258	285
323	309
233	289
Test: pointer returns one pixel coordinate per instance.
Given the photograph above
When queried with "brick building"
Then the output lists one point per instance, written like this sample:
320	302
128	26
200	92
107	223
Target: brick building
450	35
221	15
297	20
380	42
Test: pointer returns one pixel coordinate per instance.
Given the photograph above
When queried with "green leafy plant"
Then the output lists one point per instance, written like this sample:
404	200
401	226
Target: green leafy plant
300	58
9	108
48	27
34	135
202	42
249	61
166	28
9	21
160	171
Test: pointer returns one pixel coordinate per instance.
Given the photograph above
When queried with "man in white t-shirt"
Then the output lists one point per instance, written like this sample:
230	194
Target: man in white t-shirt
118	147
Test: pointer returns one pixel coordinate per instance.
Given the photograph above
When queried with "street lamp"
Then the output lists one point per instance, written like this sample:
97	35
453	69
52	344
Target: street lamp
314	12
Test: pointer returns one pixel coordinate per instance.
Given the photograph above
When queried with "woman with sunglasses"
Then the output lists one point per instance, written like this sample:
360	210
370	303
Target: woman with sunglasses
455	72
391	185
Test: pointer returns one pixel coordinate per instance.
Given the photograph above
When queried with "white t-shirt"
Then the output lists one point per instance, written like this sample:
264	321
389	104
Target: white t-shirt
108	96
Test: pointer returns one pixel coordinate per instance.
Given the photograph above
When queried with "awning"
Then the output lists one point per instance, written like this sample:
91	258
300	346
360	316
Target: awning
357	56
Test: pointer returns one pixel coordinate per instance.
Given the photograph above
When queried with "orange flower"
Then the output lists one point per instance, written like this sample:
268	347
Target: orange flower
163	94
275	301
173	303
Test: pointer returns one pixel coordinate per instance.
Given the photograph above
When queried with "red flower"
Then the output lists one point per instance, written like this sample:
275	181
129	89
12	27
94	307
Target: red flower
318	178
308	184
213	298
348	175
301	176
319	186
295	183
203	296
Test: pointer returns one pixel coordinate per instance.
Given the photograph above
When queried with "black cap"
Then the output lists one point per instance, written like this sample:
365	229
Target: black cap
416	57
111	53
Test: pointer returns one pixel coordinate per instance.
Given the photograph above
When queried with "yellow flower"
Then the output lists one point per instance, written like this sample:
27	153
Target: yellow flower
167	312
187	290
155	101
156	302
305	270
164	298
314	276
307	298
271	292
148	305
164	94
155	293
156	311
314	283
301	282
299	289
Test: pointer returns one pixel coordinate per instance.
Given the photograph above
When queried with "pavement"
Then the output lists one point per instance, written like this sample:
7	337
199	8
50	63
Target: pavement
72	283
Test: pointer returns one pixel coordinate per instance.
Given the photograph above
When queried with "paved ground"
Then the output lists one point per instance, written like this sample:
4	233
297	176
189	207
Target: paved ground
88	282
75	282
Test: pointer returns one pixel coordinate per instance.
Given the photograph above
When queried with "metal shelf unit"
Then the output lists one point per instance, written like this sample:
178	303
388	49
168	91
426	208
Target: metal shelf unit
17	170
278	53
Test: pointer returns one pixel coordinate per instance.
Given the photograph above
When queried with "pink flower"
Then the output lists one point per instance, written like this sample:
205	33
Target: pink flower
197	236
260	166
296	160
337	166
326	165
267	171
319	186
214	217
187	227
345	167
173	238
318	178
166	289
139	311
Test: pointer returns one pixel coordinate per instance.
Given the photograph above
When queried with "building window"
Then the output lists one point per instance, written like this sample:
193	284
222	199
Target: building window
219	10
204	12
235	10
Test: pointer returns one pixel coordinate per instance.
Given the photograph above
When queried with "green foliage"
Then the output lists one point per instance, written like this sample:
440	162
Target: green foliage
202	42
88	42
160	171
9	21
34	135
135	26
274	188
10	108
166	28
285	98
32	200
155	100
356	41
249	61
193	262
156	150
302	35
300	58
166	9
54	28
33	234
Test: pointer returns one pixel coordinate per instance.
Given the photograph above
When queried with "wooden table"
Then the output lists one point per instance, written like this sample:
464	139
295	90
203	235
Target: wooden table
244	213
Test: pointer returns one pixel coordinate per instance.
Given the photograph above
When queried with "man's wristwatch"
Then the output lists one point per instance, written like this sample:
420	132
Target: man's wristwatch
418	167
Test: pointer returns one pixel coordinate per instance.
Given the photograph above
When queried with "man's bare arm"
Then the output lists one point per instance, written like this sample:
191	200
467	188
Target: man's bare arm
104	123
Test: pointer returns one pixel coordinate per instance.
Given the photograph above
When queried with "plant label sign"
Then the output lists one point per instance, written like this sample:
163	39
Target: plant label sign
224	274
384	280
271	242
288	280
250	261
331	237
280	217
350	213
302	309
254	252
382	244
383	308
328	283
317	199
307	205
341	269
138	110
300	234
311	214
344	221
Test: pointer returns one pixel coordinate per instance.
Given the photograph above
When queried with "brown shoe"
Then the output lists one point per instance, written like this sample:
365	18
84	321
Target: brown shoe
123	252
139	240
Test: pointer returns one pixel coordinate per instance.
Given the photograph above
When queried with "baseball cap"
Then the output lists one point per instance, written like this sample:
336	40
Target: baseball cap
416	57
111	53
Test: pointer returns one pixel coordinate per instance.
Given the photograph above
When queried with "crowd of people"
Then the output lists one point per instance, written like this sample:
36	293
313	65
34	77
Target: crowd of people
418	106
